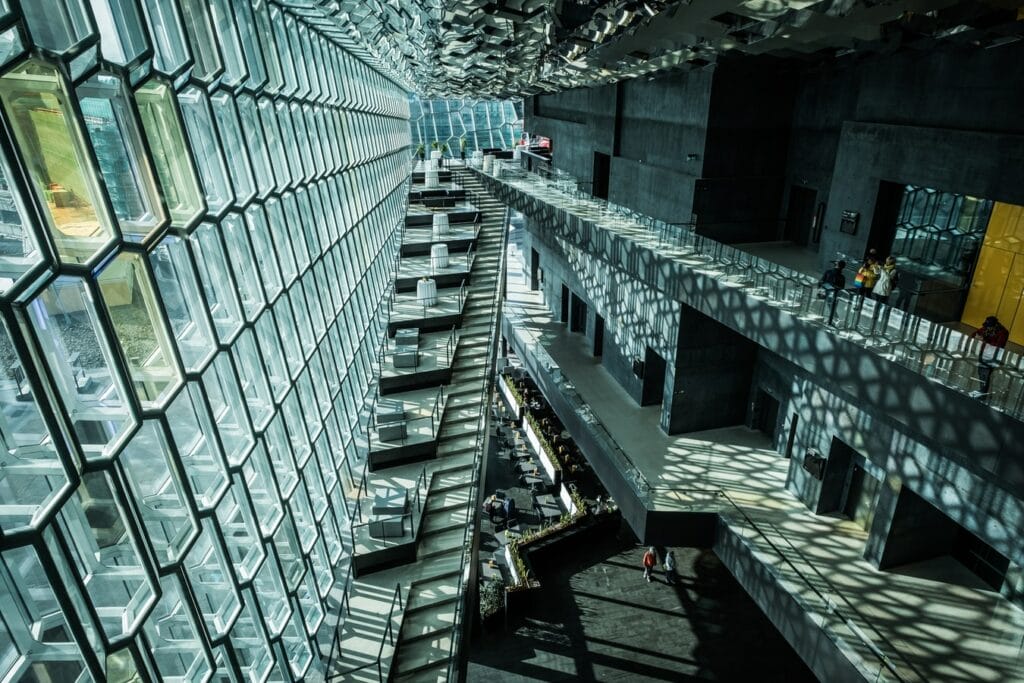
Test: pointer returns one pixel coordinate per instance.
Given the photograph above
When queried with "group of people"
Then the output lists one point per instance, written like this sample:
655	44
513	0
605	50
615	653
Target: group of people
656	555
875	279
504	508
878	280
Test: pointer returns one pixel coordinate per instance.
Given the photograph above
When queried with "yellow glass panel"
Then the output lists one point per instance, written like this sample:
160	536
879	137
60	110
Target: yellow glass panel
53	148
1010	302
1006	228
987	286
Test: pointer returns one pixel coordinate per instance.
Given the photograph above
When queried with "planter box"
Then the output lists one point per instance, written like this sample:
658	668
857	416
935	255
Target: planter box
510	398
533	438
563	495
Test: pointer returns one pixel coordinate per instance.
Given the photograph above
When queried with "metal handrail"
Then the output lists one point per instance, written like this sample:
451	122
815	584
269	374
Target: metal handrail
884	659
798	294
388	631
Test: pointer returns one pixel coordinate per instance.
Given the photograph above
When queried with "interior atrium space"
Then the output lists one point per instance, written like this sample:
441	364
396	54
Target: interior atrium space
511	340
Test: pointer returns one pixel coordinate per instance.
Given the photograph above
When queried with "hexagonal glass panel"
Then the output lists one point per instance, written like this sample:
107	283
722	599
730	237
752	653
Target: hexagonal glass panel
117	142
172	635
241	535
19	246
53	148
208	66
249	641
166	139
180	293
122	35
155	484
80	358
168	34
209	574
106	556
221	294
195	111
57	25
228	409
33	474
34	630
194	435
127	292
243	265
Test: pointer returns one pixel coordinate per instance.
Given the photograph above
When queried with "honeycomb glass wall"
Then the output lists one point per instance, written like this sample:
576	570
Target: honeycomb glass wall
200	203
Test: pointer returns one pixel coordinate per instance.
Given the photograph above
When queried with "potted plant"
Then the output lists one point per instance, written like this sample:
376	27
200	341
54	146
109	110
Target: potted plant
492	601
462	147
421	151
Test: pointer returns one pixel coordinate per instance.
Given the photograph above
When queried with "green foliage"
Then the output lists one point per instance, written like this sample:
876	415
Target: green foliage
544	442
492	598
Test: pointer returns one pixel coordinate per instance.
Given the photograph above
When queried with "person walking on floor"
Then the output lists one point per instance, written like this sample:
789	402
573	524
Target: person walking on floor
671	568
832	283
994	337
650	559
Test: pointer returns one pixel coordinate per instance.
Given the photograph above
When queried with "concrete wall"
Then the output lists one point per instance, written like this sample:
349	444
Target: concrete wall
948	119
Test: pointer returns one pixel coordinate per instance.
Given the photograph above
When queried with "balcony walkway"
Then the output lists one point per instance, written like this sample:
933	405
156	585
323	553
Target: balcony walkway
929	631
655	251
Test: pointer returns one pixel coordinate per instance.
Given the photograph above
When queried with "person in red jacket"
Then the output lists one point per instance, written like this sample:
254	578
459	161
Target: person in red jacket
650	559
994	337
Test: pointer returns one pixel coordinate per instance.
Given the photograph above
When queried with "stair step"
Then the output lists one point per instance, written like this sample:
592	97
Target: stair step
434	592
429	622
447	500
451	480
423	654
444	520
441	543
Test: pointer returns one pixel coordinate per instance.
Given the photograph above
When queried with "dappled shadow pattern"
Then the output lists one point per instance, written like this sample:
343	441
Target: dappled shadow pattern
596	619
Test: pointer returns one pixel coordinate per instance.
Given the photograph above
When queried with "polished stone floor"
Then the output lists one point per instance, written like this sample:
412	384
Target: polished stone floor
596	619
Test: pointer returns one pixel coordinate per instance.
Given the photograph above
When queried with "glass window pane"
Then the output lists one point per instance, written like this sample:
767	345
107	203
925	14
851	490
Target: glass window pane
195	437
243	265
54	150
165	28
221	295
57	25
19	246
127	292
180	293
209	574
195	111
117	143
155	484
166	140
228	409
122	36
81	360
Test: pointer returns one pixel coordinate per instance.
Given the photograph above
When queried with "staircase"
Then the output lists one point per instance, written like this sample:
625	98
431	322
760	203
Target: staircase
424	644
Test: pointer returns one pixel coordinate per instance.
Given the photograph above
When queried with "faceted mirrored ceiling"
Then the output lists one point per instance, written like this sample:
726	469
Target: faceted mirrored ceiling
199	205
513	48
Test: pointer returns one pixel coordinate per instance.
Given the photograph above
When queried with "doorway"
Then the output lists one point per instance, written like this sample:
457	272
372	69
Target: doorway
602	173
598	335
765	415
577	314
654	378
800	216
564	313
534	270
859	497
886	218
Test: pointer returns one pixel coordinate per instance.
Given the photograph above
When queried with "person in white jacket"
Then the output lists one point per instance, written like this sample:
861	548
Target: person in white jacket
671	568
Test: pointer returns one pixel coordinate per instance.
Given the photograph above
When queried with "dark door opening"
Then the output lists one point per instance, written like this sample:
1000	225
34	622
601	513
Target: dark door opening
534	270
980	558
883	223
765	413
654	378
800	217
925	542
564	313
598	335
577	314
792	434
859	499
602	173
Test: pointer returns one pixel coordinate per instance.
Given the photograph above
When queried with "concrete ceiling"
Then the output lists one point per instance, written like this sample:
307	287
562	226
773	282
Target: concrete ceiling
512	48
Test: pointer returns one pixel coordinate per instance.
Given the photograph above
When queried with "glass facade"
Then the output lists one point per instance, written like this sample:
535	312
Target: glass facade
483	124
200	208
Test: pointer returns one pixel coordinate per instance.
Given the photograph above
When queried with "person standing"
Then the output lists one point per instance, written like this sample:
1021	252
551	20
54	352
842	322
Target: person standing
671	568
831	283
650	559
866	277
888	280
994	337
